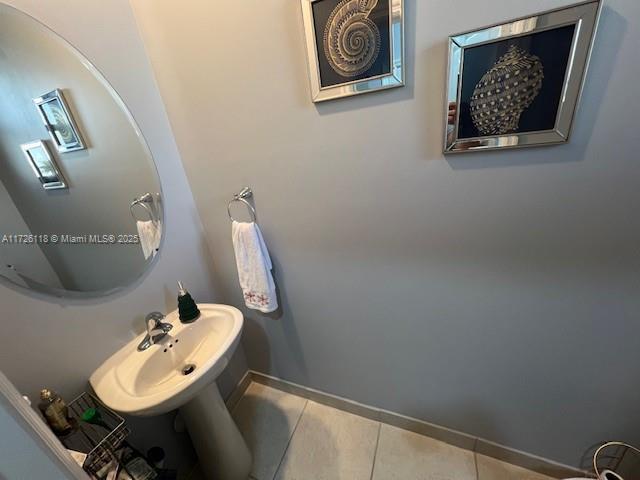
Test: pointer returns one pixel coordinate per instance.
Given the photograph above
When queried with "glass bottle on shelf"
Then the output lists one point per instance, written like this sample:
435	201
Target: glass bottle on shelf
55	411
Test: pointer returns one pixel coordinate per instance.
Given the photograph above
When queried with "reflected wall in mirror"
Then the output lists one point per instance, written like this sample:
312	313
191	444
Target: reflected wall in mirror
102	231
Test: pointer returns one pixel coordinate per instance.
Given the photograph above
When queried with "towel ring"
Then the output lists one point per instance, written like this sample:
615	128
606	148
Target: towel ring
241	197
145	199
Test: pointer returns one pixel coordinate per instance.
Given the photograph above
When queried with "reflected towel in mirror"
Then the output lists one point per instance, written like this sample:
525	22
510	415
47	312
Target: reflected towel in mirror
150	234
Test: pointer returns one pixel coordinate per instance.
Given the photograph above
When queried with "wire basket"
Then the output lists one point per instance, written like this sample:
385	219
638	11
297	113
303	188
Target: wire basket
98	439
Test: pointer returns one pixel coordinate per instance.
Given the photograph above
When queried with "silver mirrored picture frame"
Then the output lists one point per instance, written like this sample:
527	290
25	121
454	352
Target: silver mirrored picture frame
394	78
43	165
583	16
59	121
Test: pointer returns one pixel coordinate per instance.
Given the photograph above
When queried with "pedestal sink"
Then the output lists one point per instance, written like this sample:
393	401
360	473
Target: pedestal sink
179	372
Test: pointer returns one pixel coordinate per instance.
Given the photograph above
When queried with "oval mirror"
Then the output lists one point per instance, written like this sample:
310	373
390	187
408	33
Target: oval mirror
79	193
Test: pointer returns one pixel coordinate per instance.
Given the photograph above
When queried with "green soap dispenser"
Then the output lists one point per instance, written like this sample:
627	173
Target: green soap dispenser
186	306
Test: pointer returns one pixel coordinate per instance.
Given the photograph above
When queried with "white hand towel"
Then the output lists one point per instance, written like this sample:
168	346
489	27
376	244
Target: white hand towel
149	234
254	267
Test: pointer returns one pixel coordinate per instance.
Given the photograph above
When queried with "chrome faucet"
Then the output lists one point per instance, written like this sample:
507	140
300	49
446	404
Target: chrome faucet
156	330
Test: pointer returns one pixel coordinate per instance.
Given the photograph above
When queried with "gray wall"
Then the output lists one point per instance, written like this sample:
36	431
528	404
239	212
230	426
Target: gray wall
23	259
493	293
59	343
103	179
20	456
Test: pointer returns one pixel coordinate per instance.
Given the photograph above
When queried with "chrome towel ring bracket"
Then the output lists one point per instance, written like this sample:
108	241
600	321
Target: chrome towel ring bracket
144	201
245	193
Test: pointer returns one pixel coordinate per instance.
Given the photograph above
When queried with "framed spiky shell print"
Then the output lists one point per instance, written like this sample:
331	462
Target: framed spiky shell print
518	84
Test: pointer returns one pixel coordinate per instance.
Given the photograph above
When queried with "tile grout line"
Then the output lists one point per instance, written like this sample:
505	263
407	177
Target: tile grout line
293	432
475	458
375	452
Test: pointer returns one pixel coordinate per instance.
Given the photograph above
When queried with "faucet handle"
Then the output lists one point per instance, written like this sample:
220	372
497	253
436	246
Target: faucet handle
154	322
156	329
157	318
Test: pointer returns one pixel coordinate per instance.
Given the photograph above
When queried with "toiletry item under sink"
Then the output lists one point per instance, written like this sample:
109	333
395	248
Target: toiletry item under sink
135	466
55	411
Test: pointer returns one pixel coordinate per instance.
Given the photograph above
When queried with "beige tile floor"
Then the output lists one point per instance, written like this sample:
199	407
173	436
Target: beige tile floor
292	438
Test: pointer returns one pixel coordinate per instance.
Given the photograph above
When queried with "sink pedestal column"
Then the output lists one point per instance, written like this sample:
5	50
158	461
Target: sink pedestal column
222	451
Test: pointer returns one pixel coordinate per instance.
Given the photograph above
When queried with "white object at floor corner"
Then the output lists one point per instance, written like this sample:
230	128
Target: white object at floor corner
152	382
603	476
610	475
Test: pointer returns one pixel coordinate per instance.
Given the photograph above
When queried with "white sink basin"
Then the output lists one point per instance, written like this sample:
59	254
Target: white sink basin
152	382
179	371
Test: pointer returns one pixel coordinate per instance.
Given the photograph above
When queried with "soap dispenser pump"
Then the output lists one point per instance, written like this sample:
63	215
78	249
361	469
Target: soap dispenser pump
186	306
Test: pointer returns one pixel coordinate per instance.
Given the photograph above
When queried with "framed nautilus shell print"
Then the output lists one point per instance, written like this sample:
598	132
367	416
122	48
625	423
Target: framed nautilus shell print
517	84
353	46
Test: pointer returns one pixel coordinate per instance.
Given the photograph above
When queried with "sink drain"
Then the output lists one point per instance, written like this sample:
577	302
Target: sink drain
188	369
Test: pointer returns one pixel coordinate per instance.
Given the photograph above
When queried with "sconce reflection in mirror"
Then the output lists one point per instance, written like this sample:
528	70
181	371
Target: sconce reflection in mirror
59	122
43	165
